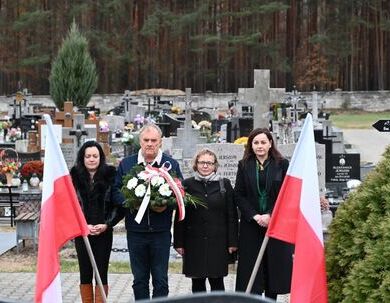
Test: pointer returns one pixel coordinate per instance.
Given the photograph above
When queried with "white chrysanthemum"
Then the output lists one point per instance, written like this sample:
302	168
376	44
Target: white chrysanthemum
127	137
132	183
157	181
143	175
140	190
164	190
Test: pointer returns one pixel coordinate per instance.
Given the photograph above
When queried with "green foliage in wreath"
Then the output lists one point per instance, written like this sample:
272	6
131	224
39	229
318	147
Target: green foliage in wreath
134	189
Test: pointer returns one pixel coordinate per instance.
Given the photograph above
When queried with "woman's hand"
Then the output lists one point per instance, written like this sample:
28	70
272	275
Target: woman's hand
262	220
97	229
180	251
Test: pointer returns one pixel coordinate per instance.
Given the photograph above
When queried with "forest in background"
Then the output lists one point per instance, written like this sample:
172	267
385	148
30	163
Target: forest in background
203	44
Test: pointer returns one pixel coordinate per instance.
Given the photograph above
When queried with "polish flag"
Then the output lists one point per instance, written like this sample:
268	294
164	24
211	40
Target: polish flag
296	219
61	219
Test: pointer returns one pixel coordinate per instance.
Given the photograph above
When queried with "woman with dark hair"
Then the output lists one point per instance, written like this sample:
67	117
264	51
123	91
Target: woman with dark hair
93	179
259	178
207	235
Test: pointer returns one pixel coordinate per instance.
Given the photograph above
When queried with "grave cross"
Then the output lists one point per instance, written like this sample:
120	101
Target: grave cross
78	130
78	133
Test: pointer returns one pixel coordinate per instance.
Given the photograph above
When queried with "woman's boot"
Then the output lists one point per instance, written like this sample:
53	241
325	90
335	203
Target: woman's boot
98	295
86	292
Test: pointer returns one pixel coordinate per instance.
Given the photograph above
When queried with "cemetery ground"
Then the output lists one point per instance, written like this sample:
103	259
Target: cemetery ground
348	120
25	260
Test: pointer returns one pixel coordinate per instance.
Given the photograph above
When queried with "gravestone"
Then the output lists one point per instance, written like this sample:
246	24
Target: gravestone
114	122
342	167
228	155
68	151
287	151
77	133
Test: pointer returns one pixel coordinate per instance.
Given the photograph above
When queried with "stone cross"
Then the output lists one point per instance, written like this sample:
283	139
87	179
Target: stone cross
262	98
315	106
188	120
259	97
75	133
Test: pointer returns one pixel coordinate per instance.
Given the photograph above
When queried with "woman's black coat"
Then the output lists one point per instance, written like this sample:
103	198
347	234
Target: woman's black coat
95	198
278	253
206	233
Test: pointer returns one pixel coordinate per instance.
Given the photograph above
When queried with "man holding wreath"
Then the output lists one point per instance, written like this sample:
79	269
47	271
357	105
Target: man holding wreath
149	240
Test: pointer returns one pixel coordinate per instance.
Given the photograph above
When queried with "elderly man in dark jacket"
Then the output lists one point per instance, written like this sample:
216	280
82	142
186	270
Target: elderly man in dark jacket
148	242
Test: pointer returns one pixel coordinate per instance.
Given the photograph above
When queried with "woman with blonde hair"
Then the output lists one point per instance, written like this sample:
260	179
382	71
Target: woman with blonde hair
207	235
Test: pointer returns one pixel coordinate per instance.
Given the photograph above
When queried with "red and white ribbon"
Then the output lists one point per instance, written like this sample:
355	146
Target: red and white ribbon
174	185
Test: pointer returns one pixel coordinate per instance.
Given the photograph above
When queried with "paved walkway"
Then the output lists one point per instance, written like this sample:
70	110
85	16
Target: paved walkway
20	286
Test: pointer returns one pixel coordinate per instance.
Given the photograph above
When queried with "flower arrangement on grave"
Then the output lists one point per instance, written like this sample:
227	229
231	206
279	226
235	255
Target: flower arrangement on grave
194	124
14	134
103	125
156	188
130	138
241	140
4	125
9	165
129	127
204	124
215	138
30	168
139	121
176	110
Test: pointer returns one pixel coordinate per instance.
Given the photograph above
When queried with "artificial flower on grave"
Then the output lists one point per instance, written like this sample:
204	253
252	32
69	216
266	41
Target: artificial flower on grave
130	138
14	134
139	120
204	124
156	188
129	127
8	165
241	140
32	167
176	110
91	115
194	124
118	133
103	125
4	125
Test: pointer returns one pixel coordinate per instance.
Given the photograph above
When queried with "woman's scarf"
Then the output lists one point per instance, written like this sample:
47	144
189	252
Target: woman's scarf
209	178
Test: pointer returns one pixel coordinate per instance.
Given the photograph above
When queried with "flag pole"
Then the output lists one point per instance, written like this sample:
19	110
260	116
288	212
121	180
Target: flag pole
257	265
95	270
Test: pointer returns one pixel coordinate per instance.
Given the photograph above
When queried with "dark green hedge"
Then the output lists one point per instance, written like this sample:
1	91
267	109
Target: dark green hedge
358	248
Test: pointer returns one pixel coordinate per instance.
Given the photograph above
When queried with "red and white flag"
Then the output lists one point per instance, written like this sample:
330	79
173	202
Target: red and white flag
61	219
296	219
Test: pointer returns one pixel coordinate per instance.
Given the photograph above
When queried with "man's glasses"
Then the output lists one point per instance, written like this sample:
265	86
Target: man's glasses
208	163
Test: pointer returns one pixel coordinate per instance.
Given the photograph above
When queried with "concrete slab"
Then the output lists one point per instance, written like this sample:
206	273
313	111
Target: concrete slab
7	241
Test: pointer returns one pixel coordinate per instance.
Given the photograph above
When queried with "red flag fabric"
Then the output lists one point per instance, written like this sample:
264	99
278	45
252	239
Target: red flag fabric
61	219
296	219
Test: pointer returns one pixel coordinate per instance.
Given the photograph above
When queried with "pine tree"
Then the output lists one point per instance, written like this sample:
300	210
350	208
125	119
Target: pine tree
73	75
358	250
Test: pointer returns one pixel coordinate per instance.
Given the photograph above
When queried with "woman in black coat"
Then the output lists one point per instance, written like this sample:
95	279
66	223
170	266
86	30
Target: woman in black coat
207	235
93	179
259	178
